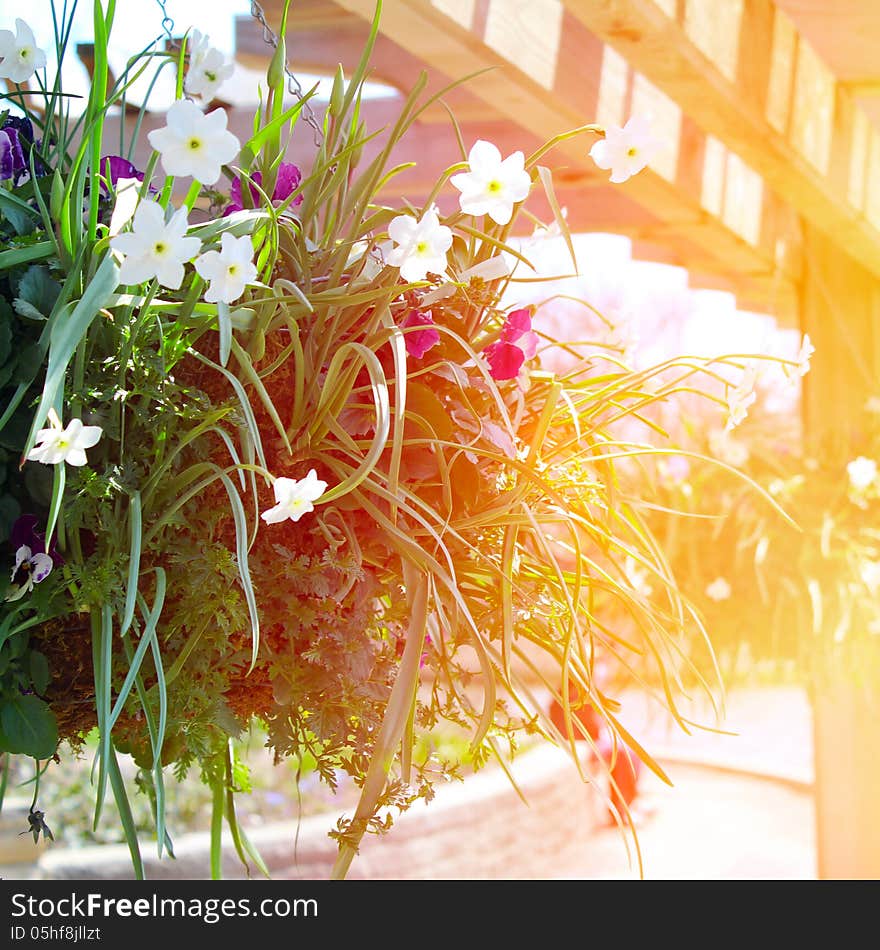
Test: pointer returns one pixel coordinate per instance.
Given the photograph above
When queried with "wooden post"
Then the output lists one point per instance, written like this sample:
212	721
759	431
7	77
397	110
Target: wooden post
840	309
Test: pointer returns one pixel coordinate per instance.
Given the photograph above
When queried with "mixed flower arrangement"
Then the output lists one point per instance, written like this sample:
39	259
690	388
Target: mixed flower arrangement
271	448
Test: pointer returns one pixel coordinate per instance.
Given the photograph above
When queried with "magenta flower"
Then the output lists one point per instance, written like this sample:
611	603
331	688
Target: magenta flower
115	168
518	342
286	183
418	342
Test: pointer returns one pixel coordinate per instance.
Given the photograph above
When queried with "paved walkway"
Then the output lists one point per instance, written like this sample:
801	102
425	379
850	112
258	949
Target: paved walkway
741	805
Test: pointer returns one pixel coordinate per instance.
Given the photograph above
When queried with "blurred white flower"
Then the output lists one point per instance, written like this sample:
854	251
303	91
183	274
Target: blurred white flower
740	398
155	247
727	449
421	245
228	270
57	444
719	590
193	143
675	469
208	68
862	473
492	186
19	53
294	498
872	405
869	571
637	577
802	361
626	151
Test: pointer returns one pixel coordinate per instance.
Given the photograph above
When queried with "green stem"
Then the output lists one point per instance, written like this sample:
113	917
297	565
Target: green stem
396	716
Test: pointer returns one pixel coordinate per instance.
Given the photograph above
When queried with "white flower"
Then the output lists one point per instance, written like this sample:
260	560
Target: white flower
872	405
155	247
626	151
193	143
492	186
19	53
208	68
862	473
719	590
421	245
294	498
58	444
29	569
492	269
870	574
227	270
740	398
802	361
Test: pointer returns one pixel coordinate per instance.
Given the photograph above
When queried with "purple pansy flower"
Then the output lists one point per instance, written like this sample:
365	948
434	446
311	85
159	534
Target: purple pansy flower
418	342
286	183
114	168
518	342
16	142
12	160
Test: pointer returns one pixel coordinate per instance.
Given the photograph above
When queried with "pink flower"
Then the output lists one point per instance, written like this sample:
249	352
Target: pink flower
286	183
518	342
418	342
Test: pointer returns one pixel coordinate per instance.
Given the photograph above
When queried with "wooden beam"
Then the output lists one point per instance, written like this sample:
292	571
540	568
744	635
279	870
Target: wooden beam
733	107
460	37
841	312
324	36
591	205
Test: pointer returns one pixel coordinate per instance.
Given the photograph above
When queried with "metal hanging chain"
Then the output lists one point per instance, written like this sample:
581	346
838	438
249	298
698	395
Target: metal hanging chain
167	23
271	39
293	84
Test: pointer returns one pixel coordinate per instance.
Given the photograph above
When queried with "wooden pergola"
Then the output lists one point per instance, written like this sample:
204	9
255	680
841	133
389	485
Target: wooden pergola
770	187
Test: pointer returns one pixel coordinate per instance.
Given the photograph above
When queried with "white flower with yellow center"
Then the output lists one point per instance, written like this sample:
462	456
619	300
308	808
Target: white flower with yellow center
421	245
193	143
155	247
64	444
208	68
294	497
20	57
626	151
492	186
228	270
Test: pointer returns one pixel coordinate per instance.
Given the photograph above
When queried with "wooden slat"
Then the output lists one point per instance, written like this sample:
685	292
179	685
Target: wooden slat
659	46
576	72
